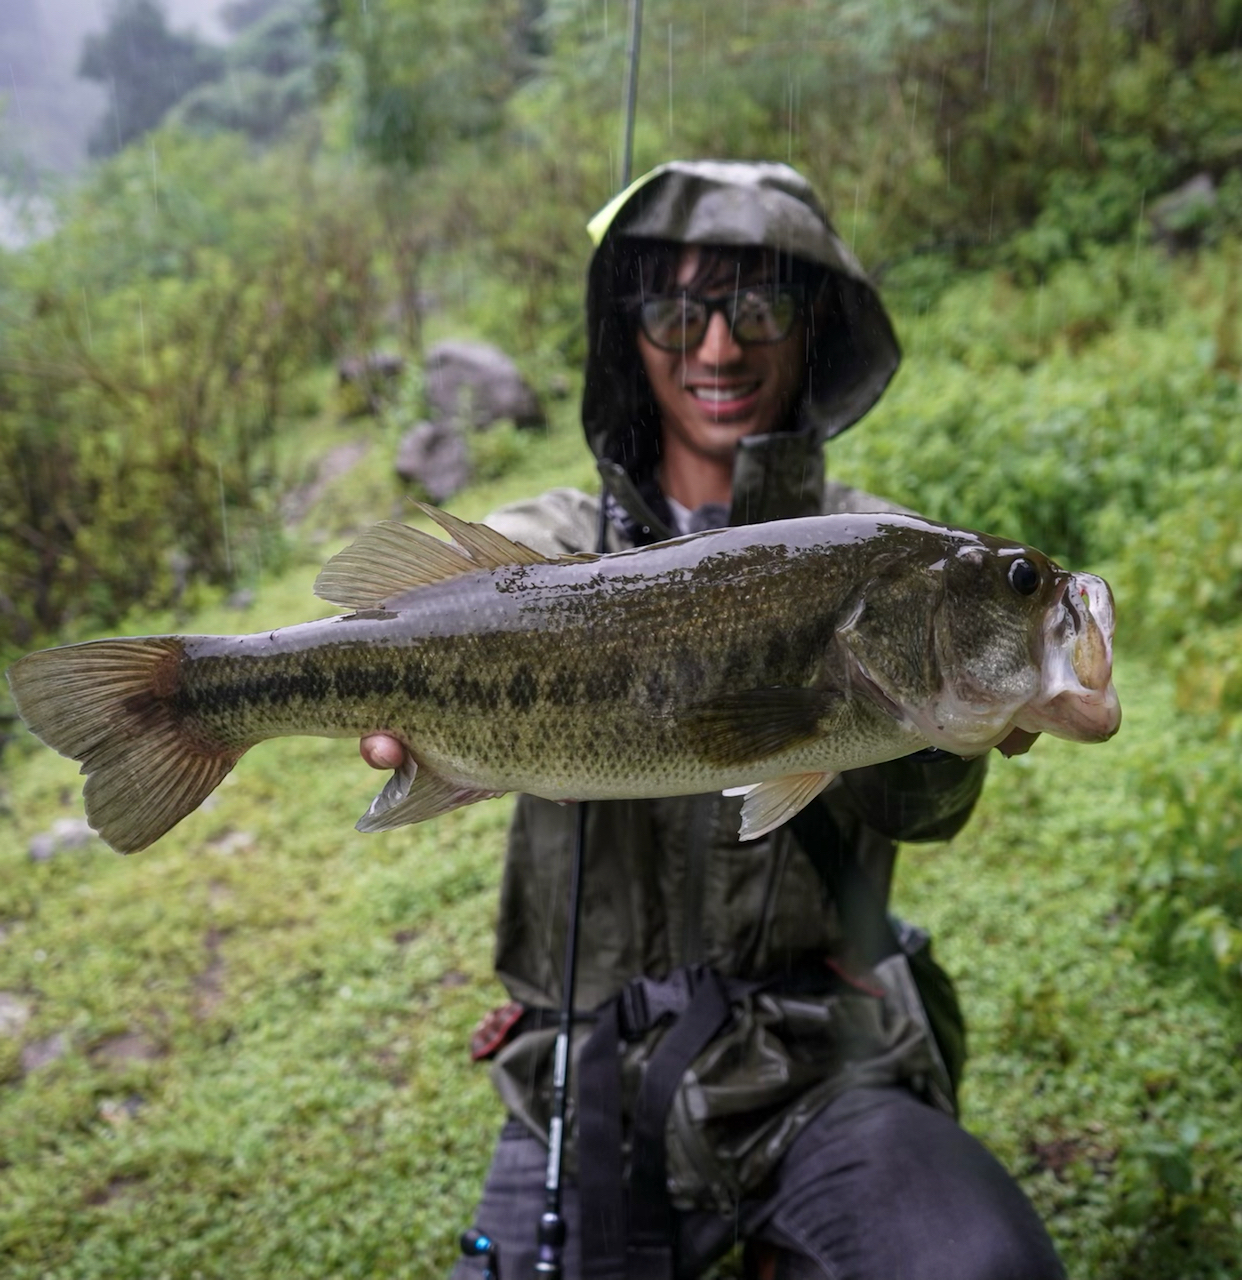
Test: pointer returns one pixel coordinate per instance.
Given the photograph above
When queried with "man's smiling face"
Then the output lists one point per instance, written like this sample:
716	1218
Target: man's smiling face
712	395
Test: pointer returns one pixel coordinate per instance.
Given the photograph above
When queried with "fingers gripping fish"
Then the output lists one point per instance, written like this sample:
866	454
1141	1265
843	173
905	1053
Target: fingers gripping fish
762	659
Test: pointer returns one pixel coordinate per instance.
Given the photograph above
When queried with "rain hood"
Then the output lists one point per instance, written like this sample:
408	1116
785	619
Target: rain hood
730	203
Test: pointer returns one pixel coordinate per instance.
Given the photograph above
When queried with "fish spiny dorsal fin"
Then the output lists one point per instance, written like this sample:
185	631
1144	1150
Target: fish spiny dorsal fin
391	558
487	548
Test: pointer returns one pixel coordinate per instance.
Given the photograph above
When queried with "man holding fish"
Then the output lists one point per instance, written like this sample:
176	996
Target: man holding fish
731	333
757	710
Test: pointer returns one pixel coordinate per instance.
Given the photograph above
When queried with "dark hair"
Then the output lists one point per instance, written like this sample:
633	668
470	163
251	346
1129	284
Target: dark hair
650	266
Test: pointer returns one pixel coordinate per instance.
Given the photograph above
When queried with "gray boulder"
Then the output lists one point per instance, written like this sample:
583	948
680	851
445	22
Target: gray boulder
365	382
1180	217
476	385
65	833
434	456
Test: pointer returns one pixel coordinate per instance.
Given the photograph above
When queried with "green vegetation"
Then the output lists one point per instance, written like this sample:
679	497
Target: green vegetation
243	1052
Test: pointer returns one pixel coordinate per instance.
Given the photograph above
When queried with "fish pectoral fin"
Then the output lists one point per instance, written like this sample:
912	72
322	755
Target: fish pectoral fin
768	804
753	724
414	794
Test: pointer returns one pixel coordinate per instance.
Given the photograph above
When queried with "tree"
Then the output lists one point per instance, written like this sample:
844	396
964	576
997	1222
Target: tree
146	68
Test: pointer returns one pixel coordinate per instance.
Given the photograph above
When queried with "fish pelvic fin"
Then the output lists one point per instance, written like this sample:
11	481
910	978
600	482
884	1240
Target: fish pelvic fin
391	558
414	794
769	804
107	704
753	724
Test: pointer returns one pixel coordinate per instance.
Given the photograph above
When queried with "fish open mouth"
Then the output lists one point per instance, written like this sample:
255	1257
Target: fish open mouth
1076	698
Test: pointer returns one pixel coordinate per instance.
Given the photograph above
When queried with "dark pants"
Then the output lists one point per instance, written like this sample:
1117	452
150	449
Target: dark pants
878	1187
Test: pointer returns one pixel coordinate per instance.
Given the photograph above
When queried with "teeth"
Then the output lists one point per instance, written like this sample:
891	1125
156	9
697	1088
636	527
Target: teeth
721	395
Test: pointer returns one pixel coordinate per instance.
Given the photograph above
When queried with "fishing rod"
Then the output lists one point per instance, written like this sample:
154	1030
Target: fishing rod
549	1261
552	1230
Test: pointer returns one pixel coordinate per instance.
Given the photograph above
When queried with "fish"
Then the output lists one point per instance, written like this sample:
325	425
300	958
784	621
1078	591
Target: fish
758	660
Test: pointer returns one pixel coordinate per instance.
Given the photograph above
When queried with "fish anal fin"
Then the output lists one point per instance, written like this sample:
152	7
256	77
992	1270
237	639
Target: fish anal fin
753	724
769	804
106	704
414	794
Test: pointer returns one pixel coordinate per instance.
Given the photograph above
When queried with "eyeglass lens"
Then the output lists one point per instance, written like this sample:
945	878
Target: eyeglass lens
679	322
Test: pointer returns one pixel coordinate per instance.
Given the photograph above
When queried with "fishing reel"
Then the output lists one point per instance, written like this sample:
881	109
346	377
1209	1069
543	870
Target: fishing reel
478	1244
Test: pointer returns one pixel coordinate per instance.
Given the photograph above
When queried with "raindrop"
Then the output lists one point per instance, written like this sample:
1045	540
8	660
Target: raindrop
987	54
142	339
224	519
21	115
670	79
86	312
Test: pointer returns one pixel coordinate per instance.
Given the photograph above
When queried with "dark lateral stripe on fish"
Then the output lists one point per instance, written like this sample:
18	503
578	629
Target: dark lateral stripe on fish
223	687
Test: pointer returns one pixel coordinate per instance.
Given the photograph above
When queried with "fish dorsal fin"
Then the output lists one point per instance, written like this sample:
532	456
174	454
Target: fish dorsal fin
391	558
485	547
386	560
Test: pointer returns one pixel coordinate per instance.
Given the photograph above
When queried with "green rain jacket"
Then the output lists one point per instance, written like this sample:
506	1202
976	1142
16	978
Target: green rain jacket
666	882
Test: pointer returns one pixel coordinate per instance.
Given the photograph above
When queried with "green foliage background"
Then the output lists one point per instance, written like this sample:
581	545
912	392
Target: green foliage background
262	1020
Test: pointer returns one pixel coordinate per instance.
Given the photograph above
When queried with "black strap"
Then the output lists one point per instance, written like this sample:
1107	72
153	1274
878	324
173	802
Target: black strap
651	1214
864	918
637	1244
602	1203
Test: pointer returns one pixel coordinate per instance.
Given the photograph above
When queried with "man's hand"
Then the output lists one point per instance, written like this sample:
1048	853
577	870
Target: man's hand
381	751
1018	743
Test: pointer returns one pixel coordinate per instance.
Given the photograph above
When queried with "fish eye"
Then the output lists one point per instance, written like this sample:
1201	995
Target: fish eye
1024	577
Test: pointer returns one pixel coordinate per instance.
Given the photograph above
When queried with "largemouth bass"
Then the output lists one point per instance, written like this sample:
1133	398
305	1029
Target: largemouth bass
763	658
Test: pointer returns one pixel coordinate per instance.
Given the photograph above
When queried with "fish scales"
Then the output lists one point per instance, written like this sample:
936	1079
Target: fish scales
766	656
638	648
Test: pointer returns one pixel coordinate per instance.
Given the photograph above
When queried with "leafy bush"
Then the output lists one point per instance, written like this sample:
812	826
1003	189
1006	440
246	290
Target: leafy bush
145	356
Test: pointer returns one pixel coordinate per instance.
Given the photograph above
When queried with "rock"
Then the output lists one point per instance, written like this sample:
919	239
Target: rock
1180	217
476	384
65	833
41	1053
364	381
118	1112
132	1046
14	1014
434	456
297	503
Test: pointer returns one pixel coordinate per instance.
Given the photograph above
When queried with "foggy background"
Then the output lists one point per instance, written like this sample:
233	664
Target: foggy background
46	110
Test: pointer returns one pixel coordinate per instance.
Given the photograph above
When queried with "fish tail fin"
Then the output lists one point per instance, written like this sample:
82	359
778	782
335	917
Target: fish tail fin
108	705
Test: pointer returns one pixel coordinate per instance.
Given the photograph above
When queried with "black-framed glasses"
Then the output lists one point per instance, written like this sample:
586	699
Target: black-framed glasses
758	313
